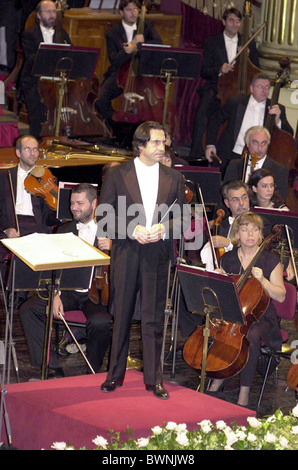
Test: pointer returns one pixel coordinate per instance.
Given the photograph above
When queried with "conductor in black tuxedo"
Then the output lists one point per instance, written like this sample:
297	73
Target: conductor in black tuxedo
135	197
122	44
218	53
43	31
257	140
83	202
241	113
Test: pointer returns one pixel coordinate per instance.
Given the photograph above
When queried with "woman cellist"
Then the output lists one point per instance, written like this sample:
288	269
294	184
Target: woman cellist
246	235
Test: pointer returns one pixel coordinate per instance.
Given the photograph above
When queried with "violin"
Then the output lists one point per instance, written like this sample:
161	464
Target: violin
229	350
41	182
220	215
100	282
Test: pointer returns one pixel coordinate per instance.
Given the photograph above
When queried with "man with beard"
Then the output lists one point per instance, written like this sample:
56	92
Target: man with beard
98	321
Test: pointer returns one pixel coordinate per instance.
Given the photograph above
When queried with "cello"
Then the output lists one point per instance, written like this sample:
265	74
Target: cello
282	146
228	352
143	97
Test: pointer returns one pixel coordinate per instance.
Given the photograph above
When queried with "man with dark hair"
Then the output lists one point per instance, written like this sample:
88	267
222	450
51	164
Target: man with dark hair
43	31
141	249
122	43
83	203
218	53
242	113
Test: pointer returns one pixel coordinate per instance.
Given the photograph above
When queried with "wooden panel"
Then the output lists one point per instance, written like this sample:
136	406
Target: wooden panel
87	27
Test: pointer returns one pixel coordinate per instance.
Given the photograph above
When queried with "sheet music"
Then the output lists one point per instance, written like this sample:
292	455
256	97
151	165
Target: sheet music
40	250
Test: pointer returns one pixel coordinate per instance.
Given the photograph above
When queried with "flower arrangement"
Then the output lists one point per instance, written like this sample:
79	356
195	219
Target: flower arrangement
277	432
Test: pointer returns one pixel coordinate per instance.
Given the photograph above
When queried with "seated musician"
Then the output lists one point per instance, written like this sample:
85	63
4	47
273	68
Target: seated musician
246	236
32	213
241	113
98	326
122	44
43	31
257	140
218	53
262	190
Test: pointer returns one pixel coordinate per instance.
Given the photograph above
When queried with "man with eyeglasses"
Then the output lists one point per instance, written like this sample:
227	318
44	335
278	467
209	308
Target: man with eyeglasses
242	113
218	54
257	140
43	31
122	42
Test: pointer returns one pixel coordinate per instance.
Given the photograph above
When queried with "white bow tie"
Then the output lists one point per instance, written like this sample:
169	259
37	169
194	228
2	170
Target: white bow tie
81	226
231	220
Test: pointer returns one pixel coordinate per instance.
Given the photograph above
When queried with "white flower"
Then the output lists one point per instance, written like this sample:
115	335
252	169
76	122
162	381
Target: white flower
271	419
181	428
295	411
220	425
283	443
251	437
230	436
171	426
59	445
240	434
142	442
270	438
206	425
100	441
294	430
254	422
156	430
182	439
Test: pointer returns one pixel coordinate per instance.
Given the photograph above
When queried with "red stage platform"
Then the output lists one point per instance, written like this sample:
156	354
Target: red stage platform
74	410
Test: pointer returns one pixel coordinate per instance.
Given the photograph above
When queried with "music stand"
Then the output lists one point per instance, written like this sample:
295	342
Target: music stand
207	178
64	251
280	217
169	63
62	63
211	295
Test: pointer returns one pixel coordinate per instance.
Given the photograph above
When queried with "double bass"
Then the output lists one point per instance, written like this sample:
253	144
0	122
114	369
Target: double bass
143	97
229	348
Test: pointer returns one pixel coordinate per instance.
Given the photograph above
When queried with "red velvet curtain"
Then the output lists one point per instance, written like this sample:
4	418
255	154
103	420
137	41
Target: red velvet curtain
196	27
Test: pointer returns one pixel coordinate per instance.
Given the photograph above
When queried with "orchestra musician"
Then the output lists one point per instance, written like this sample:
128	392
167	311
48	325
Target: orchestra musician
257	140
44	31
262	190
122	44
246	235
141	249
83	203
32	213
242	113
218	52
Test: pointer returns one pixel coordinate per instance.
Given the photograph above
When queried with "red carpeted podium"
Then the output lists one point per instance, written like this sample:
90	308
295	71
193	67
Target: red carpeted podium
75	410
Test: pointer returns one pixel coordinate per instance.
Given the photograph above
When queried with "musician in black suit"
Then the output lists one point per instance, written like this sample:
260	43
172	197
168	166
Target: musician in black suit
257	140
135	197
240	113
43	31
122	44
218	52
83	203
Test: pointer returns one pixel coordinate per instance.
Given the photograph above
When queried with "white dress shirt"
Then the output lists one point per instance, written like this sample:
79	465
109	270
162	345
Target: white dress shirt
129	30
148	179
231	46
23	199
250	170
87	232
47	34
254	116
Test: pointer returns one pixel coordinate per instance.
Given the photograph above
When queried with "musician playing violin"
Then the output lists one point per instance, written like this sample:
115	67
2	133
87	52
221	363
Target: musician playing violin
32	213
257	140
246	235
242	113
83	203
122	44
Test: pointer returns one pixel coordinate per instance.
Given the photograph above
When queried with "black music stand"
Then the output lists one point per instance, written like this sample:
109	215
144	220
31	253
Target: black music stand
211	295
207	178
169	64
282	218
62	63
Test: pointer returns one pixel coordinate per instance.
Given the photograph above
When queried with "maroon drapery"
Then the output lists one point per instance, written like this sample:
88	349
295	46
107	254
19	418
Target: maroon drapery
195	28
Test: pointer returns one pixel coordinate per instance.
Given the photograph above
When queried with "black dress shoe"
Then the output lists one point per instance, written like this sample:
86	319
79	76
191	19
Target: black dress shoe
158	390
111	385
